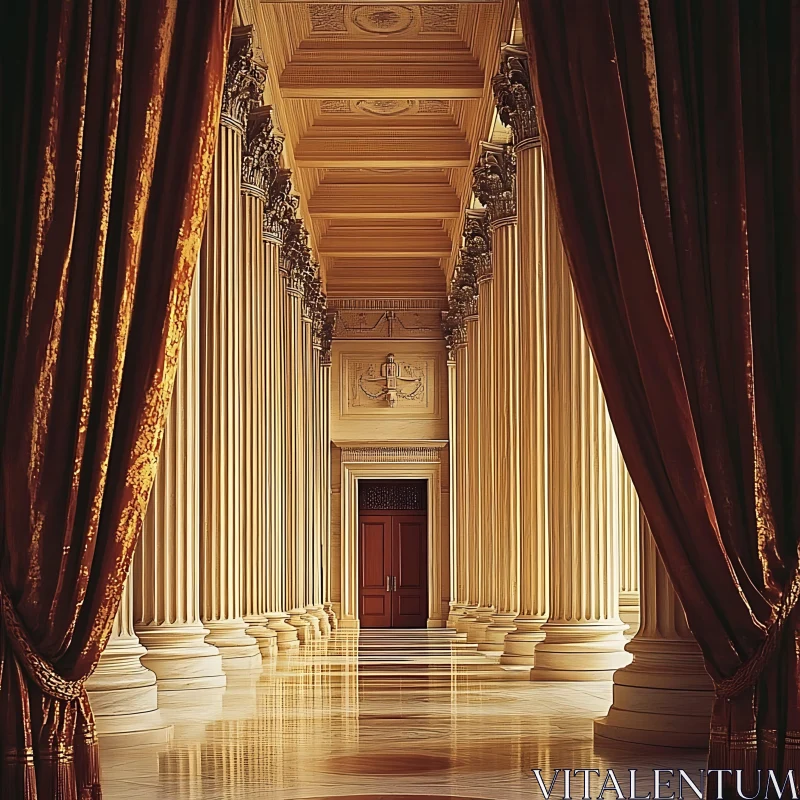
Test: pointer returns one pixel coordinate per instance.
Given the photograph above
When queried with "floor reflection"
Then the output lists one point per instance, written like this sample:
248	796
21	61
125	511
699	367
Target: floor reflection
385	714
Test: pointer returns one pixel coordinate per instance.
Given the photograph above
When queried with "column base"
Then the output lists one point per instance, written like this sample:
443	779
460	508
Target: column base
324	624
457	610
586	651
464	622
299	621
180	657
662	698
239	651
266	639
332	619
313	626
286	634
519	646
124	698
629	612
477	630
502	625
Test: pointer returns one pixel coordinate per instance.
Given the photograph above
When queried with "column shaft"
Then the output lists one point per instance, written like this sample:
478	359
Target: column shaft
584	634
533	519
221	412
629	551
326	466
166	569
456	607
664	696
506	416
276	440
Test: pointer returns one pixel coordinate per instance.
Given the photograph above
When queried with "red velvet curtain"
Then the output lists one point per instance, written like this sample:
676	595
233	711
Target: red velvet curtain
110	112
671	132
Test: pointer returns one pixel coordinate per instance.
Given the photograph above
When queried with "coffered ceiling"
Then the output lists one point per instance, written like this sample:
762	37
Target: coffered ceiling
383	108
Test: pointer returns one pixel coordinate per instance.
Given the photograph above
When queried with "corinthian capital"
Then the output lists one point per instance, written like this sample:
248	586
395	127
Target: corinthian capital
244	79
476	255
262	152
281	206
494	181
326	344
296	257
514	97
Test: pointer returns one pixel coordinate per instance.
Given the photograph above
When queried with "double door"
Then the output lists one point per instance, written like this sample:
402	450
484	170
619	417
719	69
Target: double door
393	570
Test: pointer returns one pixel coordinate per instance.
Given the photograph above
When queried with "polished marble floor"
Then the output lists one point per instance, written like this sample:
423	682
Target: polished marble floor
384	714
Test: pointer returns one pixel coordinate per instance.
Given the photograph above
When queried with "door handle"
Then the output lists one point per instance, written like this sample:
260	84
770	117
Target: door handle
394	584
388	583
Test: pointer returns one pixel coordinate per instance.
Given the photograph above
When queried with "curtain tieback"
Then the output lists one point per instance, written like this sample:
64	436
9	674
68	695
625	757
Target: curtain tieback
748	673
46	678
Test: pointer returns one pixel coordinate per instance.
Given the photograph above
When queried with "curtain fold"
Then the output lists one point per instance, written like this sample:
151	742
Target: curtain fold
110	120
671	133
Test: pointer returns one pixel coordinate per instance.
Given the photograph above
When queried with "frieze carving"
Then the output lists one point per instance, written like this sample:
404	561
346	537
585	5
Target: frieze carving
494	181
244	80
388	324
401	384
382	19
514	96
434	106
391	382
334	106
327	17
440	18
390	455
281	207
261	153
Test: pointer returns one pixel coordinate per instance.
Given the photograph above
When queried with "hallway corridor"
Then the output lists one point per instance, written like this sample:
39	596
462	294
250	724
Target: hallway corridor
383	714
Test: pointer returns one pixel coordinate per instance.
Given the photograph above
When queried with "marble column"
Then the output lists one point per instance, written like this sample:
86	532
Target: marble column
221	505
257	169
122	691
664	696
314	611
279	208
325	444
495	185
166	568
628	551
295	256
315	301
456	609
477	239
584	635
514	98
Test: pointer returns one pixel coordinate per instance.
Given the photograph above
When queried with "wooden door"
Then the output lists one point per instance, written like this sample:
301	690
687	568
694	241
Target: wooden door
409	571
375	570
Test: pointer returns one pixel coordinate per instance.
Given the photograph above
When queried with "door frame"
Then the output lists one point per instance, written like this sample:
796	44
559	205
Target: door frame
352	472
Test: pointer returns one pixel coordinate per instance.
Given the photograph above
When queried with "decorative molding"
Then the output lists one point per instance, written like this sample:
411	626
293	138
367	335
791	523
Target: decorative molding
394	454
244	80
385	107
389	324
382	19
261	153
327	18
335	107
514	96
440	18
434	106
495	181
382	304
280	209
396	384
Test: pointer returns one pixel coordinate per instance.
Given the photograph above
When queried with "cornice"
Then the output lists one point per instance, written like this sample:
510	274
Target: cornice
244	80
495	181
514	96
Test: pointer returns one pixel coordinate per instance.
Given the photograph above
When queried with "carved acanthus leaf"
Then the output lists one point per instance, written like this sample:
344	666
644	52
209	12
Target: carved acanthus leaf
281	207
261	154
495	181
244	79
514	96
